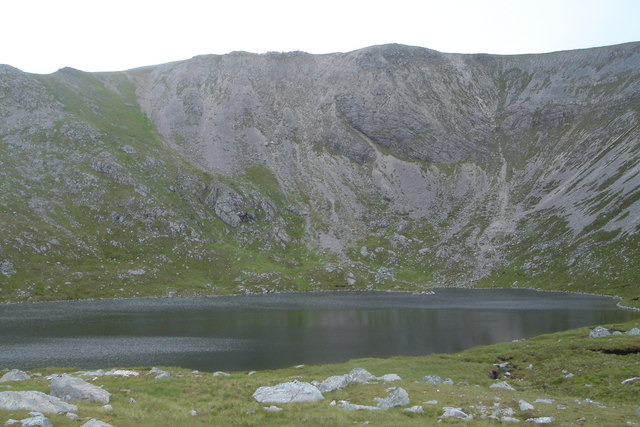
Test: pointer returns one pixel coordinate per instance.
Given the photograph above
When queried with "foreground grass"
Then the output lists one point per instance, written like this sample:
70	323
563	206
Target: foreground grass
593	395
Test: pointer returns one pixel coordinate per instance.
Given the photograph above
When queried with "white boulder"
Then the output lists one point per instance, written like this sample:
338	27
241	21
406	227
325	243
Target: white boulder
290	392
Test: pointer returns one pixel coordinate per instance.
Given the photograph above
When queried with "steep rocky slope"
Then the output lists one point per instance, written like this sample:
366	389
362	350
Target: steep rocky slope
383	167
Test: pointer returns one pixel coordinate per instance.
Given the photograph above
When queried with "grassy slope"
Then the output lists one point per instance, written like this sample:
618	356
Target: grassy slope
227	400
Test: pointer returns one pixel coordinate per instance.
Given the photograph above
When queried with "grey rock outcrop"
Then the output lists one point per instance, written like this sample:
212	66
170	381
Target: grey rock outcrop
6	268
450	412
599	332
36	419
95	423
502	385
70	388
390	378
540	420
346	406
360	376
397	397
290	392
333	383
436	380
33	401
633	331
14	375
525	406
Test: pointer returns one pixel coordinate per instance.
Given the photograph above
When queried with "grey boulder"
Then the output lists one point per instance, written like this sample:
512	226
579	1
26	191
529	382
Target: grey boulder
435	380
502	385
346	406
417	409
336	382
599	332
540	420
36	419
95	423
294	391
14	375
525	406
397	397
70	388
33	401
361	376
450	412
390	378
633	331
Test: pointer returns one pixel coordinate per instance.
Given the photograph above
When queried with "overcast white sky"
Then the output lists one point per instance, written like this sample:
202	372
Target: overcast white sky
41	36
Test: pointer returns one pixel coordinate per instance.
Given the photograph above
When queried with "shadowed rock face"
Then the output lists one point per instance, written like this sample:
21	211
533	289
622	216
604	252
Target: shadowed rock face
395	158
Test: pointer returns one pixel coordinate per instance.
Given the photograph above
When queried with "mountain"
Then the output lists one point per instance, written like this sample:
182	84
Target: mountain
389	167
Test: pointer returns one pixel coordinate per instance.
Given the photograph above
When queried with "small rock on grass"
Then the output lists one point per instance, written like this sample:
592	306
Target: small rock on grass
36	419
547	401
390	378
417	409
541	420
599	332
509	420
193	413
346	406
633	331
525	406
630	380
502	385
95	423
435	380
272	408
397	397
290	392
450	412
221	374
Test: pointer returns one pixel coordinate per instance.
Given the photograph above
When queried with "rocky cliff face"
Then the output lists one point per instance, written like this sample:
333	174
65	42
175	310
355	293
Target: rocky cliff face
383	167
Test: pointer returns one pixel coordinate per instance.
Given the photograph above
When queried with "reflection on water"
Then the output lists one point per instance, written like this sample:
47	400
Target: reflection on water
270	331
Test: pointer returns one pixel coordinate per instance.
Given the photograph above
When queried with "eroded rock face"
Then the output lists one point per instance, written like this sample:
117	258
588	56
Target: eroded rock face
70	388
449	160
290	392
33	401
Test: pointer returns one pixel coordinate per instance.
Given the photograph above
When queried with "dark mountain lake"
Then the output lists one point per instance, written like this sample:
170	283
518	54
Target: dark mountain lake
279	330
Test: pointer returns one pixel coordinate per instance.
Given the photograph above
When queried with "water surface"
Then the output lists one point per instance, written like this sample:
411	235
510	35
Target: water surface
279	330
